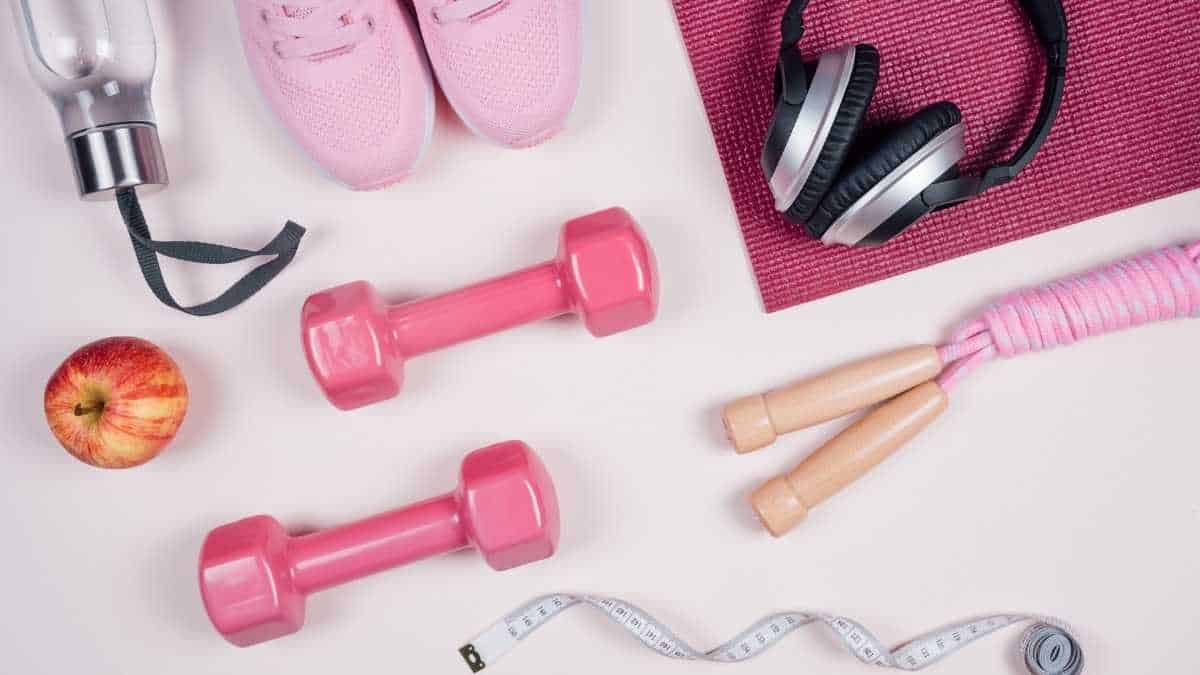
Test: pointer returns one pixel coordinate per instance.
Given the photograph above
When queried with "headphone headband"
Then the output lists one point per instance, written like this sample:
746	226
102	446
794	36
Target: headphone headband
1049	22
1048	18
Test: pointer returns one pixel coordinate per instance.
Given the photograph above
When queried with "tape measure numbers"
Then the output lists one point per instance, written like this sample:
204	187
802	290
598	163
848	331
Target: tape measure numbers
1048	648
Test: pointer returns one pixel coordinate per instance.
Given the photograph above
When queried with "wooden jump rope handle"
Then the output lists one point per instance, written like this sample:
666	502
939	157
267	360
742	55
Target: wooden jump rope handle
784	501
901	380
755	422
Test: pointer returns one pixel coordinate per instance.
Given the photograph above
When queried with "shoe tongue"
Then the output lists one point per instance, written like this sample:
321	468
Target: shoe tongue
302	11
298	11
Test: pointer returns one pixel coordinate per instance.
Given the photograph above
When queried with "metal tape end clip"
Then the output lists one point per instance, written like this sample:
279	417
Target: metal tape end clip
472	657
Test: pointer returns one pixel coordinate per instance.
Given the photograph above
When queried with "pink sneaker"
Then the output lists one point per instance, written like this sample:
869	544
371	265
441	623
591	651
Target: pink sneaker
348	79
509	67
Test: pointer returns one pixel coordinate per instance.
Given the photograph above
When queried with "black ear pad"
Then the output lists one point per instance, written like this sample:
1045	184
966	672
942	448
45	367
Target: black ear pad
847	122
896	147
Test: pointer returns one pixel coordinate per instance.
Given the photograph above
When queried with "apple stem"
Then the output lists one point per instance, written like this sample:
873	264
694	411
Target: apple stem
80	411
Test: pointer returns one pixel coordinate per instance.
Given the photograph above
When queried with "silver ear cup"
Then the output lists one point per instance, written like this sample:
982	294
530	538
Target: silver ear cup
812	125
898	188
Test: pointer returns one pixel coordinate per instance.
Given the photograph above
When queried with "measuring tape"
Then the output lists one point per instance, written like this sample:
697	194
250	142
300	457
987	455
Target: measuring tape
1047	647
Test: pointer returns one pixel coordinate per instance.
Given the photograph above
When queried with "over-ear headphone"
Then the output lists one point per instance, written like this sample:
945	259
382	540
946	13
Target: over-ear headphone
912	170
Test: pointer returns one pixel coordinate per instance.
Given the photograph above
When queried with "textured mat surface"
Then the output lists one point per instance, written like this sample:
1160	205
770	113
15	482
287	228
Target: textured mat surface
1129	131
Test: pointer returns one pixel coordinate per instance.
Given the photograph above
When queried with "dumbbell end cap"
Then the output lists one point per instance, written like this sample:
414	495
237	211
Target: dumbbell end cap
778	507
509	505
348	343
610	271
246	584
747	424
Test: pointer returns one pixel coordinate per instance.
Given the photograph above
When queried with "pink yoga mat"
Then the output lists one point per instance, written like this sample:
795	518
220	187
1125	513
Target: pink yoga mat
1129	131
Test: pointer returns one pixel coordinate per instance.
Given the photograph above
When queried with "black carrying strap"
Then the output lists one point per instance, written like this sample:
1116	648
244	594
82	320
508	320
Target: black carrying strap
283	247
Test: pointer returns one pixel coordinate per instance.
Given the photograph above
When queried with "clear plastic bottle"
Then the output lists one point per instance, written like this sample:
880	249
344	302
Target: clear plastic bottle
95	60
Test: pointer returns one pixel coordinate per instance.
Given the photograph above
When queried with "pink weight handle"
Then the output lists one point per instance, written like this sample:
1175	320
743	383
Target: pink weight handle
254	578
356	345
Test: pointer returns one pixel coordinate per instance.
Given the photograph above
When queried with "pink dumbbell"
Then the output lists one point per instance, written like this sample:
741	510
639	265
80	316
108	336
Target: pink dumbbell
356	345
254	577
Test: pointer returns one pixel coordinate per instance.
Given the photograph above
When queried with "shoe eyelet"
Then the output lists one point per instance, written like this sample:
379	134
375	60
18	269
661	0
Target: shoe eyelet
264	16
437	16
275	48
370	23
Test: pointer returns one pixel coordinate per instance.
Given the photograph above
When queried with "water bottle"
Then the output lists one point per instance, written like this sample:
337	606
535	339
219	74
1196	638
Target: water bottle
95	60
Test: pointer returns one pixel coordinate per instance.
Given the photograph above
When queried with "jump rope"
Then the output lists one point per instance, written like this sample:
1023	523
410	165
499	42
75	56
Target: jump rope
913	386
1156	286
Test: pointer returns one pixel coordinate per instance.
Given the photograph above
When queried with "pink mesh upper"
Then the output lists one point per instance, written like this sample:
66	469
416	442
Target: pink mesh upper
512	73
362	112
368	97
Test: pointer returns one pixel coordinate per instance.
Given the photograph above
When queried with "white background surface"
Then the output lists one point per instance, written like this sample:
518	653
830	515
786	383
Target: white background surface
1063	484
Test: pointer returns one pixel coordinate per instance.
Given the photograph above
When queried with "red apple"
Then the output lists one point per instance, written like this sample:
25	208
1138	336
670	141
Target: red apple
116	402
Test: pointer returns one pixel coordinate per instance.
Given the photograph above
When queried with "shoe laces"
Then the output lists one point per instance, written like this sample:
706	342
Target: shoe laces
466	10
316	29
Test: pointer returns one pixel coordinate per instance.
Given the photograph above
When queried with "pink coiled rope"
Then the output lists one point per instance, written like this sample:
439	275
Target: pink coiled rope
1156	286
